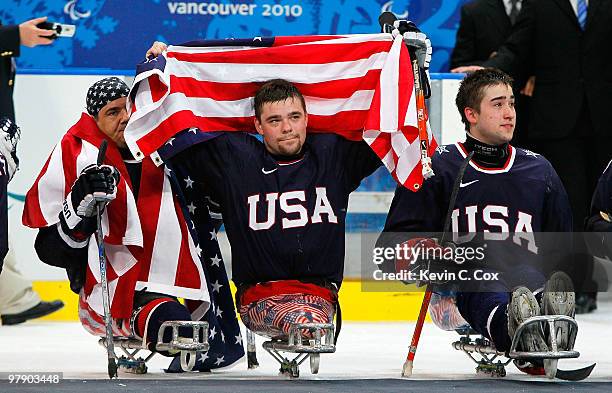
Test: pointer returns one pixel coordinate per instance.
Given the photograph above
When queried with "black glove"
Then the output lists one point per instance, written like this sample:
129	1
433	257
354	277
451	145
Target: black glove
9	136
95	185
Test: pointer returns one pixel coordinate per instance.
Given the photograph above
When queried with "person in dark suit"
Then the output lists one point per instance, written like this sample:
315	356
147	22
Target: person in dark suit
11	37
565	44
484	27
18	301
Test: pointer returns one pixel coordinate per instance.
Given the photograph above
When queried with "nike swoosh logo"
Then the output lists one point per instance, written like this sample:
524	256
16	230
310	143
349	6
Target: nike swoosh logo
267	172
461	185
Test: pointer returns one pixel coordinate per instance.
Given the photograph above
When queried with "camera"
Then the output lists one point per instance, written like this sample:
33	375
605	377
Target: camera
60	30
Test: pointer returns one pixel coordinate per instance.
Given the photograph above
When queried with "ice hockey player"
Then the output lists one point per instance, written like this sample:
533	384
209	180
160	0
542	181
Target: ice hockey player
284	207
599	222
506	193
151	257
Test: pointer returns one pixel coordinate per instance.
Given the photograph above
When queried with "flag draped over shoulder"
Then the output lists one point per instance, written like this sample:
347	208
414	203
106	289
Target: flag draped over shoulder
224	337
359	86
151	243
147	242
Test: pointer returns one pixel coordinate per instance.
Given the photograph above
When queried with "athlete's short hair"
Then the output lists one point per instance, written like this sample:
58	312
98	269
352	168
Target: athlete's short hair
276	90
472	89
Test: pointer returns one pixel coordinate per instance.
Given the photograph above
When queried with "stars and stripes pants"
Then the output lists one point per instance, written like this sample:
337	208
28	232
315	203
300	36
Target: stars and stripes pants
94	323
150	311
273	316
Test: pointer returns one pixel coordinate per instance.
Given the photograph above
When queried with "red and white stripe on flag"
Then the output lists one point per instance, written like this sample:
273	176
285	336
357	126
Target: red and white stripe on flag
359	86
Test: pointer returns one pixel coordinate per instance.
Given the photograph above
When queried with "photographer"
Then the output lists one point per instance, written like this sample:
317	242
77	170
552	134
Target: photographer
18	302
11	38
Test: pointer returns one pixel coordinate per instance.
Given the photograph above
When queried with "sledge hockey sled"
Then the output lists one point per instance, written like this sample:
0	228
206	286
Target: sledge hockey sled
322	341
489	360
189	347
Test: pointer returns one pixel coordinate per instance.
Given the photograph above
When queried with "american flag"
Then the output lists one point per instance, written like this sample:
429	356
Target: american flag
204	221
359	86
151	243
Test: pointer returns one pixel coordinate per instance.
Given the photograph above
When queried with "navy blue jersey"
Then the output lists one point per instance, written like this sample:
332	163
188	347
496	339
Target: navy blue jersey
510	204
525	195
600	217
284	220
601	204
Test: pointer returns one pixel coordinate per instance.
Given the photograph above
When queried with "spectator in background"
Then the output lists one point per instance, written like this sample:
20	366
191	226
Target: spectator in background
18	302
565	45
484	26
11	38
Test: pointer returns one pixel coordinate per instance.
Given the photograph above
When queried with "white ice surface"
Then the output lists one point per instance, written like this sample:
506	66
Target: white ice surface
365	350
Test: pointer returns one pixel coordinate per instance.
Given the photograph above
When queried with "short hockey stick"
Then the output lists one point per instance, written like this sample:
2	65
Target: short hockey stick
407	368
251	350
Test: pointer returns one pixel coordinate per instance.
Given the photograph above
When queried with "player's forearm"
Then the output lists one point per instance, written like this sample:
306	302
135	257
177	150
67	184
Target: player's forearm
53	250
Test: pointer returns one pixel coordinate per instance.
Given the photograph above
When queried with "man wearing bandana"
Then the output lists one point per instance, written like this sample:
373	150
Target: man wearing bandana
144	281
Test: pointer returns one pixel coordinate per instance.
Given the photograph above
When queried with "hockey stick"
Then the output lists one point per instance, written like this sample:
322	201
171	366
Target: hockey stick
427	171
110	348
251	350
407	368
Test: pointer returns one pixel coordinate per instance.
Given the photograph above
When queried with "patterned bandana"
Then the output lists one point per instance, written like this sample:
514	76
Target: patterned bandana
104	91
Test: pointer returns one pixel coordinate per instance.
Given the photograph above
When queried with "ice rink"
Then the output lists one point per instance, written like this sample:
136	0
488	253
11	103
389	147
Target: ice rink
369	358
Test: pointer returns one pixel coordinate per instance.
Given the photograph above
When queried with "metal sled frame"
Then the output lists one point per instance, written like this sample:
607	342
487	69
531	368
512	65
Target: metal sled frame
131	347
488	353
554	353
483	347
304	348
188	349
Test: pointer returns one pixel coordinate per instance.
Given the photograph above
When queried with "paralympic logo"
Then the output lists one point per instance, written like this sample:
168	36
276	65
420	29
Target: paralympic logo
388	7
71	10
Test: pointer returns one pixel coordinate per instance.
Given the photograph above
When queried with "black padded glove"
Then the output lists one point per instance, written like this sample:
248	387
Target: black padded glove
95	185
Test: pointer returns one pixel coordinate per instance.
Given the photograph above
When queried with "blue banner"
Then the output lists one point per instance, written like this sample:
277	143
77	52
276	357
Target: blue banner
115	34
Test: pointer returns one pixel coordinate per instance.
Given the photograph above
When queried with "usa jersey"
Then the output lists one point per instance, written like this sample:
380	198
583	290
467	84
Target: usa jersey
284	219
509	203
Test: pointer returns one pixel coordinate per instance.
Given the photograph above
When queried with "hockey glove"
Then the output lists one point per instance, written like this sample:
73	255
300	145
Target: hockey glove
9	136
415	40
95	185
